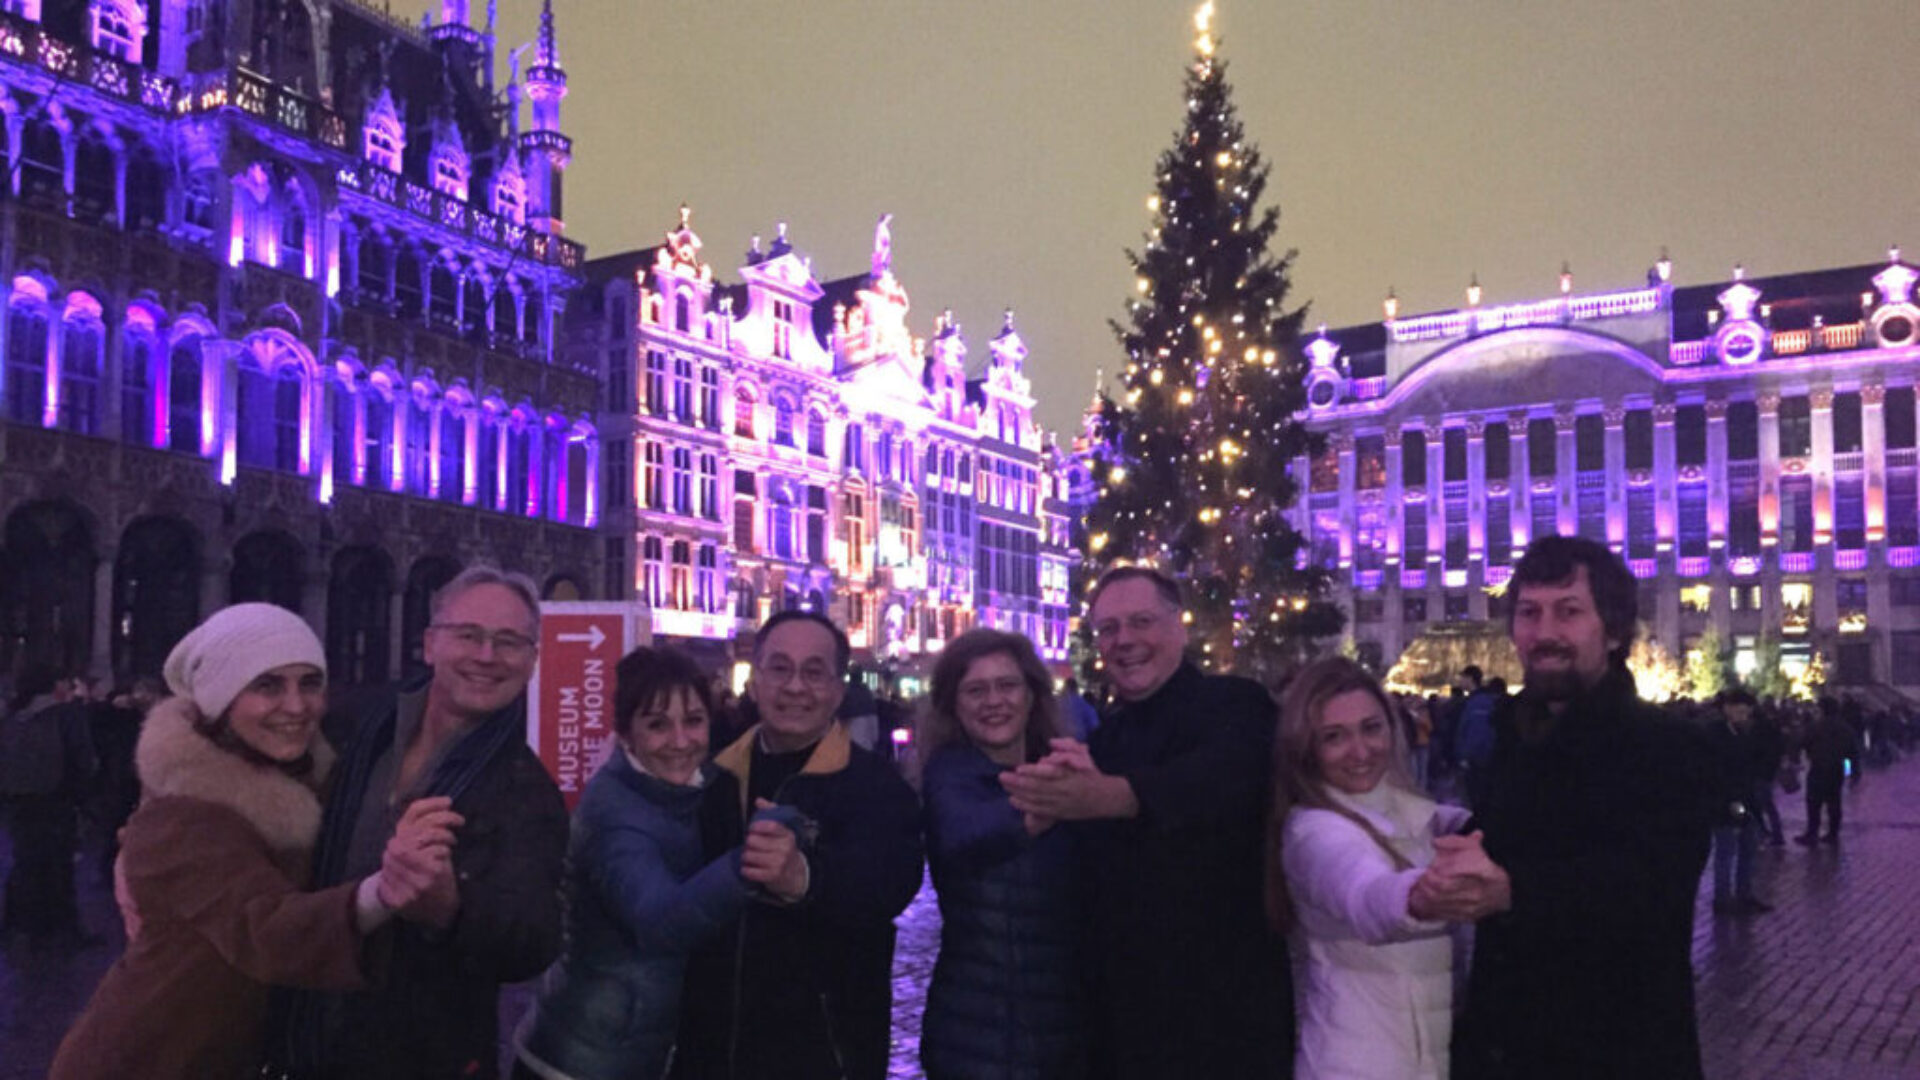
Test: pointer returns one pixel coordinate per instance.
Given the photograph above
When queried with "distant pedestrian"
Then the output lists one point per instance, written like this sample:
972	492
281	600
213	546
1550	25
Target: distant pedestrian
47	764
1742	767
1351	834
1078	717
1833	749
1005	999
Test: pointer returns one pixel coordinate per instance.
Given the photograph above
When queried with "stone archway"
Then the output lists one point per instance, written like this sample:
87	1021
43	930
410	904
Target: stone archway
269	567
46	598
359	616
156	593
427	576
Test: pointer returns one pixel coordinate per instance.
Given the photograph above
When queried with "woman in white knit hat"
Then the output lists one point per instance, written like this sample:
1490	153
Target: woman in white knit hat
215	860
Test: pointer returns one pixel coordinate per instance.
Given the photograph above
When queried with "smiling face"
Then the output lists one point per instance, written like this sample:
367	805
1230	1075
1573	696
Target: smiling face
1352	742
279	711
993	704
1140	637
1562	643
482	647
796	684
669	736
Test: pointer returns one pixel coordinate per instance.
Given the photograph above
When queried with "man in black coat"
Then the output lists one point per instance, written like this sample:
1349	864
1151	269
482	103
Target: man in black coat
493	912
801	987
1595	827
1169	799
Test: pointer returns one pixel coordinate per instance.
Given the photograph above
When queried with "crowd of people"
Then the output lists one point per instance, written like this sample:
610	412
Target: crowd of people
1202	879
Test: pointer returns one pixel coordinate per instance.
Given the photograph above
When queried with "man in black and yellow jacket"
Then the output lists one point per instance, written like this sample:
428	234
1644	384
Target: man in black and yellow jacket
801	987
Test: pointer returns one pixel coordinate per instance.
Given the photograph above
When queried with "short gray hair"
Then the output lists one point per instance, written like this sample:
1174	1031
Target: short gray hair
480	574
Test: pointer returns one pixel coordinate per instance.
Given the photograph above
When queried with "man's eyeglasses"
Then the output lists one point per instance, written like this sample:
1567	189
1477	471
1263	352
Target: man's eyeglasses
812	675
507	645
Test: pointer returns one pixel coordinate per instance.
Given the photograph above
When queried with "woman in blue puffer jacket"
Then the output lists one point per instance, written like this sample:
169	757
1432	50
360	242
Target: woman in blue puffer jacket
1005	1000
639	897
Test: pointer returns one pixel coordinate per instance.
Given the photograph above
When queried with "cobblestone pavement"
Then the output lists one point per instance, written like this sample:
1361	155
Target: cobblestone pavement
1825	987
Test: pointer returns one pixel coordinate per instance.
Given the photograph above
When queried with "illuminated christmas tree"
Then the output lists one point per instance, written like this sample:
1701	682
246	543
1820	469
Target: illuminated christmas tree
1192	460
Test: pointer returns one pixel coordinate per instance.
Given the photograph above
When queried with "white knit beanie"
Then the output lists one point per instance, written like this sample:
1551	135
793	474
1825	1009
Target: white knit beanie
235	646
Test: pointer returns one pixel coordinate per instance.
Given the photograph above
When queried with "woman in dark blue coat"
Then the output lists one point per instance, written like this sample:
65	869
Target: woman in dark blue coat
639	895
1005	1000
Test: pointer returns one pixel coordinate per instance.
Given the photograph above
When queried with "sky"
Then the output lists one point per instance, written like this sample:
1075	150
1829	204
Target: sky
1412	144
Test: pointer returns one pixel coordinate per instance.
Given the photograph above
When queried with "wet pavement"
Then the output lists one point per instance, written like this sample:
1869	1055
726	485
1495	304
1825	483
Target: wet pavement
1825	987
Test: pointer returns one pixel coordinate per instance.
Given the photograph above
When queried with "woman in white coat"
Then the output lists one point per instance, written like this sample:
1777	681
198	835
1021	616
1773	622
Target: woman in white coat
1350	835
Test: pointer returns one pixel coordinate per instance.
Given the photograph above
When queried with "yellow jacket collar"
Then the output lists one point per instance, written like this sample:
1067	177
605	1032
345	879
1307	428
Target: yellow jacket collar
830	755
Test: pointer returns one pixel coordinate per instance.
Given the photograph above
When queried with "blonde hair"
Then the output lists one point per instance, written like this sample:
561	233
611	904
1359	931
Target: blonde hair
1296	767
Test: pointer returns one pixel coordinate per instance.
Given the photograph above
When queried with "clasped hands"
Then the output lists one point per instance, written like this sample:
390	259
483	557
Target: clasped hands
771	858
1462	884
416	870
1066	786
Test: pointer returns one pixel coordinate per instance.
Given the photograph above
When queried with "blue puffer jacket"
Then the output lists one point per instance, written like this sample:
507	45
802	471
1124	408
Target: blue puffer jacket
1005	1001
638	902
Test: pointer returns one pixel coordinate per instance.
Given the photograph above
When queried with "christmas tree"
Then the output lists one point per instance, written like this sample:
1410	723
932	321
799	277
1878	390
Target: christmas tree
1193	459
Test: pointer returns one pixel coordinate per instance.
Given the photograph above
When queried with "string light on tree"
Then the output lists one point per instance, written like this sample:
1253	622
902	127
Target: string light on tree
1205	429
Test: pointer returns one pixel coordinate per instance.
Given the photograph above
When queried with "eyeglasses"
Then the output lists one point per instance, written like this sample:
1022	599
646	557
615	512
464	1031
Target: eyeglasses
812	675
973	693
507	645
1139	622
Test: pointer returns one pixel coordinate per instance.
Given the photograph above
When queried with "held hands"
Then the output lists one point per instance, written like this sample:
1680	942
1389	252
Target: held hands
771	858
1067	786
1461	885
416	871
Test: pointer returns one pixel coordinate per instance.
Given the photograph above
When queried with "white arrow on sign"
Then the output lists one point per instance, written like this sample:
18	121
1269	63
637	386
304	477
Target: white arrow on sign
593	637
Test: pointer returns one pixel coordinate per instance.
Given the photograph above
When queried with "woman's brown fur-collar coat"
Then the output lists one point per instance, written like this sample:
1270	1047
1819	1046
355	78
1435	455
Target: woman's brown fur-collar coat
215	862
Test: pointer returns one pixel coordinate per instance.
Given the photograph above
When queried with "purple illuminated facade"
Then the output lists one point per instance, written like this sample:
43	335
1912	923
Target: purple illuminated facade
282	279
788	442
1747	446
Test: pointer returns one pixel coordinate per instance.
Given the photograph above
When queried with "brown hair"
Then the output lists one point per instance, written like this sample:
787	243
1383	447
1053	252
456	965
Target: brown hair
940	720
1296	769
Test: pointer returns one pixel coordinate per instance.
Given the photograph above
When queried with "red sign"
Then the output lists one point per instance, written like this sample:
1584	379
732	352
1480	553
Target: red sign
574	696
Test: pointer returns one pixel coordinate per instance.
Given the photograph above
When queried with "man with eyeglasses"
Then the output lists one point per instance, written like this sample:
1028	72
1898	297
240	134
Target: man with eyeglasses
1168	800
801	987
492	913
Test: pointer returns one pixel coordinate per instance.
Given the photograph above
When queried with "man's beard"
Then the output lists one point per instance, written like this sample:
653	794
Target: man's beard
1559	684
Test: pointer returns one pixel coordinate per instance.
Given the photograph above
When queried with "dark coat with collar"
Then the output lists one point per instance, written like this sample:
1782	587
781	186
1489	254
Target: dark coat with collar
805	991
1603	827
640	897
1186	976
1005	1002
434	1009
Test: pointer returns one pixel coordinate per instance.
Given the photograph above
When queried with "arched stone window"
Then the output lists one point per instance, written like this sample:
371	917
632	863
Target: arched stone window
374	275
292	248
269	567
475	317
343	408
139	360
782	422
199	200
359	606
269	414
119	28
156	593
46	597
743	405
146	189
407	280
184	392
486	458
82	341
377	430
452	445
419	451
520	449
816	433
95	177
43	163
27	353
446	293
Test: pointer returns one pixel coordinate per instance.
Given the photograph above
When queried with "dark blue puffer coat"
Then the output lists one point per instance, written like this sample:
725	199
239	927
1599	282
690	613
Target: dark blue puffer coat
639	900
1005	1002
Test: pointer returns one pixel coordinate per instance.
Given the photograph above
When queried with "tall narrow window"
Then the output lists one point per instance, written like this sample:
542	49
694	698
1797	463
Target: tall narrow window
137	352
378	429
27	364
293	234
80	376
453	447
